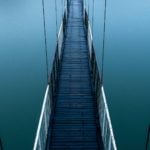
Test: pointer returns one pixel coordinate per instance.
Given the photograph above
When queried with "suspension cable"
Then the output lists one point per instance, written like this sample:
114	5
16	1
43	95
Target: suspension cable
104	36
88	8
62	8
93	15
62	5
45	39
56	19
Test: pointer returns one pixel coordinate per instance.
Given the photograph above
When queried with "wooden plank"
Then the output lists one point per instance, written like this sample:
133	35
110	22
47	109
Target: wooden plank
74	124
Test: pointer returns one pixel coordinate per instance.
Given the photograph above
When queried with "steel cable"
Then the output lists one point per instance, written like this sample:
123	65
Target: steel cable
104	38
45	39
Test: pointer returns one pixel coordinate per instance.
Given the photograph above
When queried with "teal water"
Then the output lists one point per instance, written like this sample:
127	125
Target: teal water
23	70
126	68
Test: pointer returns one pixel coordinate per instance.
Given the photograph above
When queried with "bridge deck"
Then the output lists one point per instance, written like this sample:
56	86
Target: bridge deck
74	122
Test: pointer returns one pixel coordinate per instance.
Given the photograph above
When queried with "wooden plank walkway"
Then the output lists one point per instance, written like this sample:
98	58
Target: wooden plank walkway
74	122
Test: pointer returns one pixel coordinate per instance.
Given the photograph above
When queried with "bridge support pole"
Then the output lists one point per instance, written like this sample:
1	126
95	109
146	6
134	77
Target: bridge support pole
1	145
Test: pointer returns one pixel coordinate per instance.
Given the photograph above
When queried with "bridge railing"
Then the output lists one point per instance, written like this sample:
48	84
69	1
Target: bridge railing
104	116
41	135
45	116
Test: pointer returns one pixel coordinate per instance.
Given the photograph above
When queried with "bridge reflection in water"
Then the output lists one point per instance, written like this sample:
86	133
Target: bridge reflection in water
74	113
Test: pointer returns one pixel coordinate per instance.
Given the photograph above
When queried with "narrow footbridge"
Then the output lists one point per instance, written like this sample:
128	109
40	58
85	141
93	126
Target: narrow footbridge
74	113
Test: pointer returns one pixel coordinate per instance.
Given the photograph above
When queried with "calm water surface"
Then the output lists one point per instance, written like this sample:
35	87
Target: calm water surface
23	70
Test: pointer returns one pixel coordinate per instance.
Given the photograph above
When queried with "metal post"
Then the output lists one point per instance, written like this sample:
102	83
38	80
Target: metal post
45	121
40	147
105	134
1	145
148	138
103	127
109	144
68	6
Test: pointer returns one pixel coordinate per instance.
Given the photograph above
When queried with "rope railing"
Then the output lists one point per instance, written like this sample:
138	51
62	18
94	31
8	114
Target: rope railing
103	111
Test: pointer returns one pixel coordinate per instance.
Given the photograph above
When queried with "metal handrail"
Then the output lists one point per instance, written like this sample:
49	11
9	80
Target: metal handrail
47	106
37	143
104	115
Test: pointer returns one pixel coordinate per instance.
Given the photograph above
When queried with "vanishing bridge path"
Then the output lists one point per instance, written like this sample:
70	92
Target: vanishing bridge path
74	113
75	122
